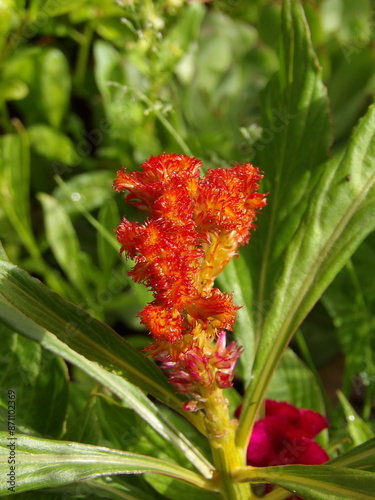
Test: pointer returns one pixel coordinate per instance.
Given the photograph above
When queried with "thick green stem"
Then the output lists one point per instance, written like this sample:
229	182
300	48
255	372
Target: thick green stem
227	457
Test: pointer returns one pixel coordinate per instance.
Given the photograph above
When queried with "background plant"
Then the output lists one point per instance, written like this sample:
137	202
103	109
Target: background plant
89	86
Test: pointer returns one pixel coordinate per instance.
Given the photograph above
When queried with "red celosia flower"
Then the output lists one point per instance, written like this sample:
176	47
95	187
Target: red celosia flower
285	436
194	226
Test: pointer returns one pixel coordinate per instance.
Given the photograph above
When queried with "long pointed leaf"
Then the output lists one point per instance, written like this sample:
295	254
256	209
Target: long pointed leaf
43	463
340	215
320	482
296	137
361	457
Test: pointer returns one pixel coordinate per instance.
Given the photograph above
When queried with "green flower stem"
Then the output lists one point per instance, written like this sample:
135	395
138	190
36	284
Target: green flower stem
227	457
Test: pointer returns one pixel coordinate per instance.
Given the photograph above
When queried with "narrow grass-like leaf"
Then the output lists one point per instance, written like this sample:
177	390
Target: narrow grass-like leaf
320	482
45	463
360	457
358	429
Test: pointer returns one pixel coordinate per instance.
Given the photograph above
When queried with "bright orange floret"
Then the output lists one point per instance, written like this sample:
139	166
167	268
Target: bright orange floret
146	186
228	201
165	324
217	309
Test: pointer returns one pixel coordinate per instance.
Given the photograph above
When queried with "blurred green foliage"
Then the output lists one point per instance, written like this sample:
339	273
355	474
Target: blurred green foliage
87	86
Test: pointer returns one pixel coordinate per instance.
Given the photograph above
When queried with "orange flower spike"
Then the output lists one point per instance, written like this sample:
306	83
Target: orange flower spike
194	228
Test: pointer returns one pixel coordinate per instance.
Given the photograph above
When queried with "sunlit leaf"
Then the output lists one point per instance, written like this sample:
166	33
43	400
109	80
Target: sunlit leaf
341	213
320	482
44	463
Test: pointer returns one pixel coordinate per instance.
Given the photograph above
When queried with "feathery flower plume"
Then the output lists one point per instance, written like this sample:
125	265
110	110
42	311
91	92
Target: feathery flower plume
193	228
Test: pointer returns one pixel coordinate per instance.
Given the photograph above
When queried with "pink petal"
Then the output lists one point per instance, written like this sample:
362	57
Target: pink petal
312	423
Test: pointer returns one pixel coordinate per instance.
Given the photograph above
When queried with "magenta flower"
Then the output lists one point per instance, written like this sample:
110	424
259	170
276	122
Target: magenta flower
285	436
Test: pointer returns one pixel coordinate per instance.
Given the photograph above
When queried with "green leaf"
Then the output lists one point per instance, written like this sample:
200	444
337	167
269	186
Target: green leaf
92	489
42	463
350	80
91	190
15	185
236	278
52	144
51	8
54	85
63	241
140	294
108	218
33	310
358	429
39	379
341	213
294	382
107	69
360	457
320	482
85	428
13	89
350	301
175	490
295	140
7	12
